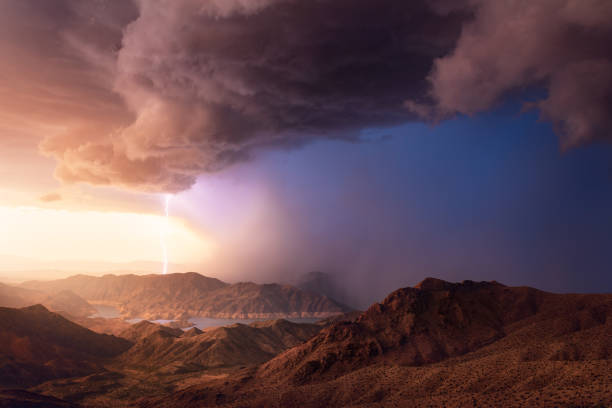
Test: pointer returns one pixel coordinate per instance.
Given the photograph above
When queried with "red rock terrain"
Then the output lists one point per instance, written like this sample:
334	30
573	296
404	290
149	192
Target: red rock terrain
114	326
163	359
172	350
37	345
439	344
25	399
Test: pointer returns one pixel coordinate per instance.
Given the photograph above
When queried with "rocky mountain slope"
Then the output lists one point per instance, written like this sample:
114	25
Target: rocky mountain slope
37	345
171	350
413	326
163	359
114	326
25	399
439	344
182	295
59	301
434	345
144	329
67	301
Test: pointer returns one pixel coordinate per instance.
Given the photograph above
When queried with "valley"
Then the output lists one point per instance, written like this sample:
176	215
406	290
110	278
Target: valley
433	345
184	295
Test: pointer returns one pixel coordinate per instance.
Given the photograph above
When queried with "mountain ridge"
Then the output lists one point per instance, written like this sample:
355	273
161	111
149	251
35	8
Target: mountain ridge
435	344
183	295
439	344
61	301
37	345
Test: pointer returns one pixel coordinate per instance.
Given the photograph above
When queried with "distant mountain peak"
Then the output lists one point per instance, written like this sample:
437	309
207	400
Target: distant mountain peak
434	284
194	331
38	308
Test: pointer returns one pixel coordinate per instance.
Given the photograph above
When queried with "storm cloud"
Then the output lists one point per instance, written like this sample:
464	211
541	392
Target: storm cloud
560	45
186	87
211	82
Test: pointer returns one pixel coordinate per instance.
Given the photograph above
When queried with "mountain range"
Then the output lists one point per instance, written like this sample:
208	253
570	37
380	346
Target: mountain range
440	344
162	358
37	345
60	301
183	295
437	344
172	350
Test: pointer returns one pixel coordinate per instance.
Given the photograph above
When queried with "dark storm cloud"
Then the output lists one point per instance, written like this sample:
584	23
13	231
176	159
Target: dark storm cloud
209	82
562	45
44	74
166	90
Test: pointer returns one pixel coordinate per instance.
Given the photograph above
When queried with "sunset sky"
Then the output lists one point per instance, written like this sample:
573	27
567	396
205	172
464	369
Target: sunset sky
371	140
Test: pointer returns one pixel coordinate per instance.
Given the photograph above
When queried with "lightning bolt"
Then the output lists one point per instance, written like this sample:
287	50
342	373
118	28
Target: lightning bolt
164	232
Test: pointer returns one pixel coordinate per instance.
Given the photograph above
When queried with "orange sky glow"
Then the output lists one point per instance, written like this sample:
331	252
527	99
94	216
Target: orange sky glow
61	235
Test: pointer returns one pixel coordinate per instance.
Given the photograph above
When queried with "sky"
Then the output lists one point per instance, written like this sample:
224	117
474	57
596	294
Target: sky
379	142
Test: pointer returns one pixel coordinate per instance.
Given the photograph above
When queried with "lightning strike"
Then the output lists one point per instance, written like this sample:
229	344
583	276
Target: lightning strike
164	233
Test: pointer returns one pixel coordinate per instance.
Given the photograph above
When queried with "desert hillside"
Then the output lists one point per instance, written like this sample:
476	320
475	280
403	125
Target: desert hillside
440	344
25	399
37	345
182	295
437	344
166	349
163	359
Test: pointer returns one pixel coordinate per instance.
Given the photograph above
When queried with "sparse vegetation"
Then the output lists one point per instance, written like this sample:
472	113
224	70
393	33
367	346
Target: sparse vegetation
437	345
